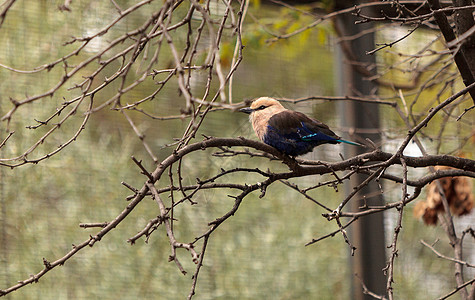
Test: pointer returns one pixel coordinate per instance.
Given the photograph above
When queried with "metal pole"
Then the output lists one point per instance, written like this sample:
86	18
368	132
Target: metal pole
362	120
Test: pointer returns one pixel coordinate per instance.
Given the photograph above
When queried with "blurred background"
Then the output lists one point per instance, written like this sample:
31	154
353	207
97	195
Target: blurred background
260	252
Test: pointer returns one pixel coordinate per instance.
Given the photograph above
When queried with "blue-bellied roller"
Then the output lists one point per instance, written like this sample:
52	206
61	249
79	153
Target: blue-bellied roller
290	132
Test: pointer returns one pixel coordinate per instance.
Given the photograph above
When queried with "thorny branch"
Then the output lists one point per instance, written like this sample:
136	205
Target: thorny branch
152	178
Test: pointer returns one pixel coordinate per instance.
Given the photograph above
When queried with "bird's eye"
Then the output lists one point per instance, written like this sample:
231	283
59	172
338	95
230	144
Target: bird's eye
261	107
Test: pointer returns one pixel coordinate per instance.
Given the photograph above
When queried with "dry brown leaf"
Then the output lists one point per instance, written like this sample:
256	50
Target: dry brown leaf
457	190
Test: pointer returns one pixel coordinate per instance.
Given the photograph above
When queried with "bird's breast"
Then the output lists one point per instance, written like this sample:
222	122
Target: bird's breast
259	124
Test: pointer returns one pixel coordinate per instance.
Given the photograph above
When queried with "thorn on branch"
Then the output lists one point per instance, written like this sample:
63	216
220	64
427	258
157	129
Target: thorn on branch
365	203
263	190
130	187
206	137
14	102
144	171
46	263
34	278
93	240
466	110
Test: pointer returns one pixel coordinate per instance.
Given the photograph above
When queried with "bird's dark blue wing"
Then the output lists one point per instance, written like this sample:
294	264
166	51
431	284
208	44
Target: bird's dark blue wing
295	134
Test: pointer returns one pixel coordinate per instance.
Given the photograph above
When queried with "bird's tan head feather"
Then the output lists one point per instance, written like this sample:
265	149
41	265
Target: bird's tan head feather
264	103
262	110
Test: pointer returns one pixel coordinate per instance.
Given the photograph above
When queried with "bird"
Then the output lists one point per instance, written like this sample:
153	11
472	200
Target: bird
291	132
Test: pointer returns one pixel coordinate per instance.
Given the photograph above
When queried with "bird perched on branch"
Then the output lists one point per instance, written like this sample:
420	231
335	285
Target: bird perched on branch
290	132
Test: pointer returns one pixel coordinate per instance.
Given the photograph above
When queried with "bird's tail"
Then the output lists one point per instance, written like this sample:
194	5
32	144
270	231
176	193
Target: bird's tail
351	143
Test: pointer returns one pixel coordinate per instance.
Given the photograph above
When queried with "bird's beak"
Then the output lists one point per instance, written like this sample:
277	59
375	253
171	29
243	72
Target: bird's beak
246	110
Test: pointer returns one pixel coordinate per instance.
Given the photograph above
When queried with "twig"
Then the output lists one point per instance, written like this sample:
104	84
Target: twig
389	270
144	171
332	234
439	255
6	139
93	225
171	236
458	288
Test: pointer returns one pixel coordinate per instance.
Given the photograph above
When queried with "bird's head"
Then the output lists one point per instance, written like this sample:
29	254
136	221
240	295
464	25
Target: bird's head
263	105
